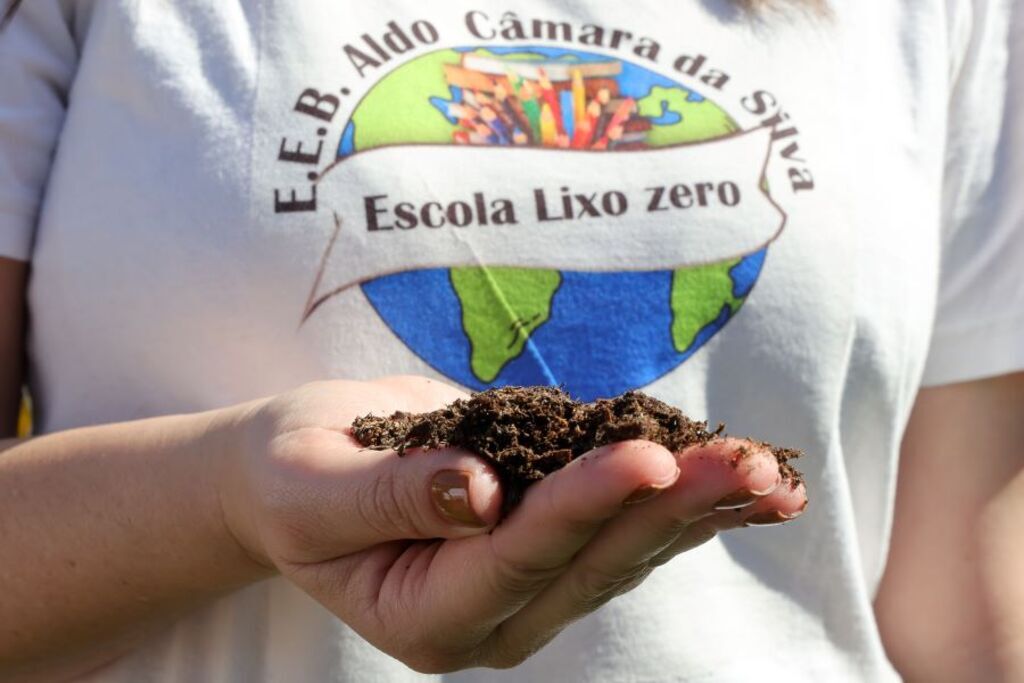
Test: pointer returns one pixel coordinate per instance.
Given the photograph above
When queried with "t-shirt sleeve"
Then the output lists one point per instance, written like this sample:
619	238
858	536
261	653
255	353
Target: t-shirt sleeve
38	57
979	323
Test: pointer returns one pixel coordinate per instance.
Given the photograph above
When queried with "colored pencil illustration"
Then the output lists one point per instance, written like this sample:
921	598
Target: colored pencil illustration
561	104
567	103
548	126
513	116
583	135
496	124
547	93
579	95
623	113
532	108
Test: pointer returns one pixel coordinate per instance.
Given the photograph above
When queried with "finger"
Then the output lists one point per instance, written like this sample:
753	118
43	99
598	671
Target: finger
724	474
557	517
347	498
444	493
564	511
334	404
784	504
420	394
618	557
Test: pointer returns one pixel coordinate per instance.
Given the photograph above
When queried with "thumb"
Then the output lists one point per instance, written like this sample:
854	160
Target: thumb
446	493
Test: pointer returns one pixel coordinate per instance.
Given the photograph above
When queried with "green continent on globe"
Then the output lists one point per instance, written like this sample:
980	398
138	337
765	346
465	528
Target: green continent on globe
501	308
698	296
697	121
699	293
398	110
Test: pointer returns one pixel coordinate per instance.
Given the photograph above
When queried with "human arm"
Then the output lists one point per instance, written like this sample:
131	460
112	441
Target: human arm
120	526
1002	569
93	524
106	530
113	530
950	606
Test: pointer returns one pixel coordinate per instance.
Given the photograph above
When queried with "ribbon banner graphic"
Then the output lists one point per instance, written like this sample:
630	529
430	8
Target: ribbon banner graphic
411	207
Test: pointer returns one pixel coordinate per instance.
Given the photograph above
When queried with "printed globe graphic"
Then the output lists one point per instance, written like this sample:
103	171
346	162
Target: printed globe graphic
596	334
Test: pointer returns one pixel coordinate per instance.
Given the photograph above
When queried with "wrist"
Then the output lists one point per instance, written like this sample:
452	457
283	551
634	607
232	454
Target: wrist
227	442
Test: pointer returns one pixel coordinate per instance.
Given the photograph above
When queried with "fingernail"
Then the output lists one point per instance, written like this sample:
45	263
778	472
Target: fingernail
650	491
770	489
744	497
450	491
773	518
738	499
643	493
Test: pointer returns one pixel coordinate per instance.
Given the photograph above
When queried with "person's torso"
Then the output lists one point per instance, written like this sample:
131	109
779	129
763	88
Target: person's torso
737	215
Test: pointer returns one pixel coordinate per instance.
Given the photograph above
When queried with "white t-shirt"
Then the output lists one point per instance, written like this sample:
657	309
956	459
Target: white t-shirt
787	223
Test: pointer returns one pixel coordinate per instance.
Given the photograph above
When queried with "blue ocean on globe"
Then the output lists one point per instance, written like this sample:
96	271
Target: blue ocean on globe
606	333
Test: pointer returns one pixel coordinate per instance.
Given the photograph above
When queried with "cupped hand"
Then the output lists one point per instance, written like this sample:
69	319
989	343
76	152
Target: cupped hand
409	553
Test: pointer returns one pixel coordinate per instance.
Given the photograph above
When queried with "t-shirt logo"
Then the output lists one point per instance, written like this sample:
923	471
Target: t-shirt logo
537	215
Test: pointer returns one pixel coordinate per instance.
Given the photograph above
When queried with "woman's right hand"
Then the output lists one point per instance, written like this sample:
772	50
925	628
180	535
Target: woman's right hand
407	551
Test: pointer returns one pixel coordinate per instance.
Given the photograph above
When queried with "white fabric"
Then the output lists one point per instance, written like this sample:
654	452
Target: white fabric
979	328
174	270
37	63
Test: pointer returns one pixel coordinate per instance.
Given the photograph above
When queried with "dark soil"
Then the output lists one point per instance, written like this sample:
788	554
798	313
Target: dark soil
529	432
